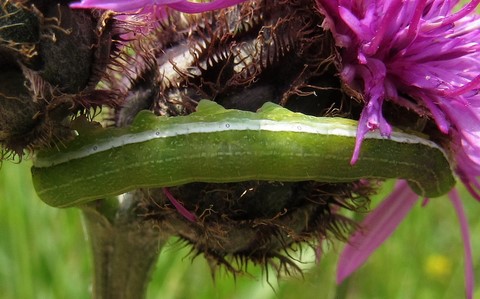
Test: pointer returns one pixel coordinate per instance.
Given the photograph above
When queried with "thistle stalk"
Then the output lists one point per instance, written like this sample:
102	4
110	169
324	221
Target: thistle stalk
124	249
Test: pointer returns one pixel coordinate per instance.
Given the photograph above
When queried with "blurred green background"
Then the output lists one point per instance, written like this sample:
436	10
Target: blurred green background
44	254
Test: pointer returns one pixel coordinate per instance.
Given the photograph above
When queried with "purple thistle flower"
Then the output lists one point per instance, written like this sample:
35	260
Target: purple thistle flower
422	56
147	6
392	50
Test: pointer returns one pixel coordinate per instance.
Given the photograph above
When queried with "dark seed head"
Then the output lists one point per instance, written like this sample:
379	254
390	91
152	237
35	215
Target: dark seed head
242	57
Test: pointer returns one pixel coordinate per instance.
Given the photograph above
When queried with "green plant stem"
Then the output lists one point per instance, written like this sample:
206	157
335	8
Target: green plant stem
125	249
343	289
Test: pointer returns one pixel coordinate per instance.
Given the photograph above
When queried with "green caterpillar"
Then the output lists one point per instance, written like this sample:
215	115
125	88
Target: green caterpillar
217	145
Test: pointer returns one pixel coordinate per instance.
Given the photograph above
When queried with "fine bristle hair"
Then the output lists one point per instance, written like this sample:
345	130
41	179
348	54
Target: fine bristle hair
256	222
52	58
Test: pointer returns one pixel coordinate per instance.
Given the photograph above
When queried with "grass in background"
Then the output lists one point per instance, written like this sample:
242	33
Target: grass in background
44	254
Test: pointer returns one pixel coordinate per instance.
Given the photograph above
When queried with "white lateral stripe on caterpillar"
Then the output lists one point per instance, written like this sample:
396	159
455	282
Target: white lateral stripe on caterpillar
320	128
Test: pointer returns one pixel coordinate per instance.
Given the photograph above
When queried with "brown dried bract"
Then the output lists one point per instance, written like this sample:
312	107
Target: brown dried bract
240	57
51	59
259	222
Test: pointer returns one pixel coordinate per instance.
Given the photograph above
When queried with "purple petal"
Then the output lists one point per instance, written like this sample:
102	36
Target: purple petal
375	229
180	208
130	5
468	8
474	84
473	186
469	274
118	5
196	7
353	23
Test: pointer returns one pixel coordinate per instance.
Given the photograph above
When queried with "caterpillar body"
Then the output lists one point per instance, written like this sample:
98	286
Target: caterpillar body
220	145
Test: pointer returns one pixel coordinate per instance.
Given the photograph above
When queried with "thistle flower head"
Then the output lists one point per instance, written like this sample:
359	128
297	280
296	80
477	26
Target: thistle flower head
421	55
417	54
